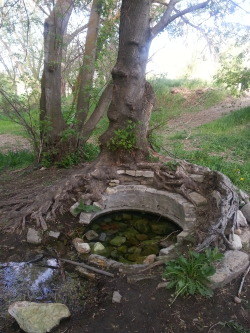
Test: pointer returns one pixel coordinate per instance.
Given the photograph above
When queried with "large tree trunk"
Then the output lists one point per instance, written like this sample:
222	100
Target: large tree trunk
133	98
86	74
52	122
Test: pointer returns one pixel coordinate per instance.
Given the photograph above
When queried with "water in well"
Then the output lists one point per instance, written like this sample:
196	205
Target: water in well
129	237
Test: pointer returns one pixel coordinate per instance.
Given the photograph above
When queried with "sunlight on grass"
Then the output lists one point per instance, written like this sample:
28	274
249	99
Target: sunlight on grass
222	145
9	127
16	160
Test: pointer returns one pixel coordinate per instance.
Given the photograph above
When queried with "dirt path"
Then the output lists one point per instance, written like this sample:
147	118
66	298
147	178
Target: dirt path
11	142
188	121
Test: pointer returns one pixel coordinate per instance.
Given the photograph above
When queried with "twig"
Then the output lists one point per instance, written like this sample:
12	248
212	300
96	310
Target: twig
243	280
100	271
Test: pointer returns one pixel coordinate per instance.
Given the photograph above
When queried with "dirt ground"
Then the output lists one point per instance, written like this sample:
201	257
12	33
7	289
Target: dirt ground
143	307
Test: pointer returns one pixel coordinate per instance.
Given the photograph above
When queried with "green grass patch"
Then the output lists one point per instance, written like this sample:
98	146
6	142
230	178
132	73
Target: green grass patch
222	145
9	127
16	160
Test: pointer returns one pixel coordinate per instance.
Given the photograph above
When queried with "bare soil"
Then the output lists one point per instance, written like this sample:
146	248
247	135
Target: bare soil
143	307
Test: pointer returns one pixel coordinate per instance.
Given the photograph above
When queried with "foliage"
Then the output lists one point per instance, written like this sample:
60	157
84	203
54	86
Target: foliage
191	275
237	328
86	208
90	151
221	145
124	138
16	159
233	73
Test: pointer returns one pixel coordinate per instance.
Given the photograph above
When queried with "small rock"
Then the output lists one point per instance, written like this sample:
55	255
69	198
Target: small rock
90	235
54	234
102	237
166	251
236	243
148	174
120	172
98	248
38	317
118	241
116	297
237	232
198	199
246	211
85	218
241	220
98	205
85	273
162	285
149	259
80	246
237	300
72	209
34	236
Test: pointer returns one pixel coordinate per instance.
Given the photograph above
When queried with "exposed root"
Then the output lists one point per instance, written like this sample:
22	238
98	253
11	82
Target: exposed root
91	182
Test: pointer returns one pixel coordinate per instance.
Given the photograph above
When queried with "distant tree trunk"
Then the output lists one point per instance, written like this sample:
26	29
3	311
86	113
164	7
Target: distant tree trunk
52	122
133	97
86	74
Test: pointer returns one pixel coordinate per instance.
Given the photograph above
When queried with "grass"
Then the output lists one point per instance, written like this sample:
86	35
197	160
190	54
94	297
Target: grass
16	160
222	145
9	127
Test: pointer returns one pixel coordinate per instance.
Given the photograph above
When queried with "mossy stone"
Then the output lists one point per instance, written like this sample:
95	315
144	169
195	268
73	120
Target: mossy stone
142	225
134	250
118	241
122	249
98	248
141	237
135	258
114	254
150	249
161	228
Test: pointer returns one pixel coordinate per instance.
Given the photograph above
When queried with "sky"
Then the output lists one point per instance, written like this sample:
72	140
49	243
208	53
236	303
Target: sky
188	56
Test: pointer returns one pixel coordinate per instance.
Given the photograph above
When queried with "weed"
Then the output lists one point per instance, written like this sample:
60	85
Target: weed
124	138
191	275
237	328
86	208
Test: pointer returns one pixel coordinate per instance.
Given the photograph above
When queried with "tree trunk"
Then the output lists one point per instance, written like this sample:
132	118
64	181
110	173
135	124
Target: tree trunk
86	74
133	98
52	122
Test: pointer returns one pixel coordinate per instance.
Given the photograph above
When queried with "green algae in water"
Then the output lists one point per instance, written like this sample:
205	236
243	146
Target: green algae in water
129	237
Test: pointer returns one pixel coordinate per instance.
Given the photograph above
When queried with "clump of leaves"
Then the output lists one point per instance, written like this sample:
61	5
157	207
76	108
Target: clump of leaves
190	275
124	138
86	208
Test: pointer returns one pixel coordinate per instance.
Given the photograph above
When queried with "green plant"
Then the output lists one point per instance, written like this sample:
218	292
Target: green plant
16	159
86	208
190	275
124	138
237	328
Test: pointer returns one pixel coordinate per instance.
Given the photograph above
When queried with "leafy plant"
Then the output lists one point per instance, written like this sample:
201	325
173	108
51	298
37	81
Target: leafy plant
86	208
237	328
124	138
191	275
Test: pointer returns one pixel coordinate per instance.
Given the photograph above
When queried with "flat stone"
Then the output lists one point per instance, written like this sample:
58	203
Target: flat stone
131	173
98	205
246	211
166	251
38	317
54	234
115	181
110	190
241	220
85	218
73	208
34	236
120	172
81	246
231	266
197	178
116	297
148	174
198	199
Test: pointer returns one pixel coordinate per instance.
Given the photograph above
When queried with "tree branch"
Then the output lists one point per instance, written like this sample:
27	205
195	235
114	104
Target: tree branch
167	18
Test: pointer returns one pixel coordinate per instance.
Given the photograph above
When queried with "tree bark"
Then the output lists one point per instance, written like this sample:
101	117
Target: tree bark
52	122
133	98
86	74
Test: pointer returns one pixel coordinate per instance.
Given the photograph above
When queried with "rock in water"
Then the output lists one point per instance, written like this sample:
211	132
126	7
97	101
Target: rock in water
38	317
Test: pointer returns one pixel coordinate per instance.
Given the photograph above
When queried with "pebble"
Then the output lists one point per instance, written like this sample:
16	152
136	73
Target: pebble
237	300
116	297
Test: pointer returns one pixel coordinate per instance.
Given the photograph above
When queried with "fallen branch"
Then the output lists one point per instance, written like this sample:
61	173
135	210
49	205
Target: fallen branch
100	271
243	280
